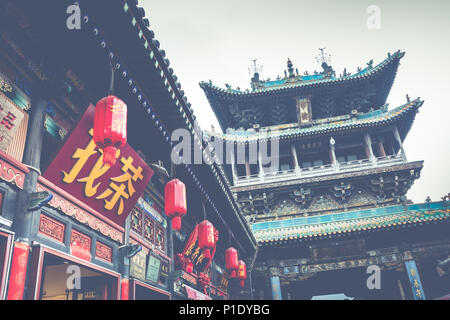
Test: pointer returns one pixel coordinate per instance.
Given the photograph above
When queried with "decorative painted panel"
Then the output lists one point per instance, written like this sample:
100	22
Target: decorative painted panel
103	251
51	228
80	238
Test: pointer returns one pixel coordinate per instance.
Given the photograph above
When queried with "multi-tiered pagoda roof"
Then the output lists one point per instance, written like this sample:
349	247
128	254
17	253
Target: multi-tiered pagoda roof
271	102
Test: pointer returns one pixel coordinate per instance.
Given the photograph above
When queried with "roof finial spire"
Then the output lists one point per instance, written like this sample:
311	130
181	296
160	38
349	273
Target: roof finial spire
255	69
324	59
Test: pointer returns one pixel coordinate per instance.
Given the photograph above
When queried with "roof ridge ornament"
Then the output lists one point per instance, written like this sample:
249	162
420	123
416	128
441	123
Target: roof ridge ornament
324	58
255	70
290	68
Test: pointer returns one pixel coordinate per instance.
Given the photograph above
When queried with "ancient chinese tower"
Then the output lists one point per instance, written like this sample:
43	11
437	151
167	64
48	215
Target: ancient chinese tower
334	211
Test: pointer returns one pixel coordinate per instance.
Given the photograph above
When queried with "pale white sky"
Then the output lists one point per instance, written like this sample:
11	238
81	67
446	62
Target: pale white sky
211	39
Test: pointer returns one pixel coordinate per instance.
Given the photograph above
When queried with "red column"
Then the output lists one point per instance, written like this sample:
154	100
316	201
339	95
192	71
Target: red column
124	289
382	152
247	169
18	271
367	152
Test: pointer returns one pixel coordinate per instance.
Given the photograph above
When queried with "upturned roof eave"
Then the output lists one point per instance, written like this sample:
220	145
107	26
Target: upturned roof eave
290	88
415	214
346	126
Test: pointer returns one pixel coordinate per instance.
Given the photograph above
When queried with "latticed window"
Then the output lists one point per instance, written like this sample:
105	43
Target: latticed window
136	220
143	225
160	239
149	229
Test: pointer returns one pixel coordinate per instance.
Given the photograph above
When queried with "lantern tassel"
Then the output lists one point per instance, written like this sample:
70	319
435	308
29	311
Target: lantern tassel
207	254
176	223
242	283
109	155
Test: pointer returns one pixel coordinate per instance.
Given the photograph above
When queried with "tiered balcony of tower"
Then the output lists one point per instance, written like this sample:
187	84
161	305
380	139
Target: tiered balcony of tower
365	142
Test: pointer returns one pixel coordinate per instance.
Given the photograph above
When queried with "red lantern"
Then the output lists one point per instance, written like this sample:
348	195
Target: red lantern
110	127
175	202
206	238
242	272
231	261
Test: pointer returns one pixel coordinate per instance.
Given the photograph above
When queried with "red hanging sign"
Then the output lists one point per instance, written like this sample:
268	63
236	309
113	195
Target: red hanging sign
194	254
78	169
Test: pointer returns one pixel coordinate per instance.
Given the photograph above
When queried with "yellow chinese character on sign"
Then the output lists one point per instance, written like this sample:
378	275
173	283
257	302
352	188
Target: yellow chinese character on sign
97	170
118	190
412	271
416	283
418	293
82	155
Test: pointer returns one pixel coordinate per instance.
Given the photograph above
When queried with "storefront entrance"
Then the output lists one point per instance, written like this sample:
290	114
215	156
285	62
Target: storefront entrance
5	254
344	284
61	277
143	291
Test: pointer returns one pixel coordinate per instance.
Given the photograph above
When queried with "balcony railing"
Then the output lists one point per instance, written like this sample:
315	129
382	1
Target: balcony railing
292	174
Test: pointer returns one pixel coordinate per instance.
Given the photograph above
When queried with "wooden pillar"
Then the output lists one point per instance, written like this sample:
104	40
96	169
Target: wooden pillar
369	150
295	159
333	153
125	289
381	148
233	163
261	169
23	219
125	263
17	277
248	172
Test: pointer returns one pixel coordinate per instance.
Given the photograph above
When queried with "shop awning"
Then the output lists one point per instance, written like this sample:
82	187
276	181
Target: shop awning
196	295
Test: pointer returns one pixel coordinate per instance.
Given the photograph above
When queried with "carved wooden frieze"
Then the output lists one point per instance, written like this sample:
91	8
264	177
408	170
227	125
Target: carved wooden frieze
70	209
10	173
51	228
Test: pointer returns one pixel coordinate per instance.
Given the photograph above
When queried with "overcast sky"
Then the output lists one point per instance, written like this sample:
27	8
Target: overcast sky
211	39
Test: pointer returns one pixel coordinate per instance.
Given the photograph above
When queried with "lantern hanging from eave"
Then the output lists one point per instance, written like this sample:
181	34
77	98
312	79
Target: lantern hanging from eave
242	272
231	261
110	127
206	238
175	202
